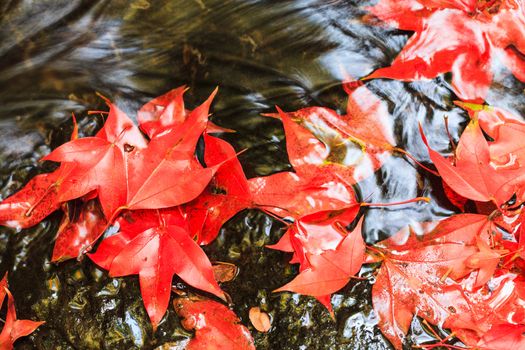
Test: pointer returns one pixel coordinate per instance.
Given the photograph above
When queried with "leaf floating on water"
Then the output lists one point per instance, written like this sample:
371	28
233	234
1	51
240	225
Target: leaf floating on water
462	37
76	234
260	319
13	328
216	326
327	263
348	147
435	278
146	247
224	272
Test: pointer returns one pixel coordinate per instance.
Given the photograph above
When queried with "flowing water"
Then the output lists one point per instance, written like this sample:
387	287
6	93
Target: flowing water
54	56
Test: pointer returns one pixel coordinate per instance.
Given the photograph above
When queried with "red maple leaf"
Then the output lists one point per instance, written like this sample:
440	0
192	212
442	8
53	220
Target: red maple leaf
79	228
504	336
347	147
35	201
289	194
473	175
506	144
226	195
170	154
486	260
433	278
329	152
105	168
126	172
329	255
100	162
163	112
13	328
167	112
156	245
39	197
216	327
283	194
461	36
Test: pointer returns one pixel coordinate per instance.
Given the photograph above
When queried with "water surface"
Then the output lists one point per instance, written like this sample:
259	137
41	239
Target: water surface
56	54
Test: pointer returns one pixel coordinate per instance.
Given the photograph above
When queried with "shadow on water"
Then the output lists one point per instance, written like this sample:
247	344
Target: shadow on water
54	56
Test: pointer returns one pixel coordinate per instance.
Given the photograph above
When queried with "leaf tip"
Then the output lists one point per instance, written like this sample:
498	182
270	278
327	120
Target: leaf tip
213	93
280	289
279	110
422	134
74	134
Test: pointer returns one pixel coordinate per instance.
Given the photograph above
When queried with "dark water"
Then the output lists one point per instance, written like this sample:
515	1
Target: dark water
54	56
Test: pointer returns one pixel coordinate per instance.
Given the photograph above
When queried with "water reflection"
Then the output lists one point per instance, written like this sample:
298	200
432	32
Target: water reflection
55	54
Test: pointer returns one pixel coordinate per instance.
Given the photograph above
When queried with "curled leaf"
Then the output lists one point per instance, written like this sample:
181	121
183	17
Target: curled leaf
260	319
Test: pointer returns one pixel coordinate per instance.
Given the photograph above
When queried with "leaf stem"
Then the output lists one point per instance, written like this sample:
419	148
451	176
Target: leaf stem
97	112
402	151
417	199
450	139
376	251
267	212
29	211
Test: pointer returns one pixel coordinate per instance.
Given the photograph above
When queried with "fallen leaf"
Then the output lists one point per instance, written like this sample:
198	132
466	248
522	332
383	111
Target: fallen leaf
167	112
100	162
226	195
35	201
505	336
260	319
289	194
150	252
78	231
462	37
224	272
13	328
486	260
473	176
170	155
433	278
216	327
326	265
347	147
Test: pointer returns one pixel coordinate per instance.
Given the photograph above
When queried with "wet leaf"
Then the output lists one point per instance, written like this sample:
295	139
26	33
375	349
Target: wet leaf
168	112
329	255
156	249
473	175
34	202
100	162
486	260
226	195
13	328
170	155
462	37
505	336
224	272
289	194
216	327
259	319
76	234
348	147
434	278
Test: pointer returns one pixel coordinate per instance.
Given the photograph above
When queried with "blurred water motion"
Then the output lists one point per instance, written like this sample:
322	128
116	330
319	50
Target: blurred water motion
56	54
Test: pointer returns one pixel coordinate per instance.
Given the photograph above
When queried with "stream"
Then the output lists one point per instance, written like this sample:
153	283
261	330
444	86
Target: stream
55	55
